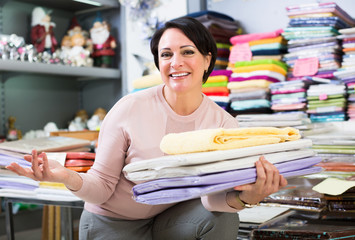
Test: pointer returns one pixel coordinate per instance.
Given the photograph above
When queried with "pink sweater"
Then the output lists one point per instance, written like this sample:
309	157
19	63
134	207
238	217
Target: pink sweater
132	131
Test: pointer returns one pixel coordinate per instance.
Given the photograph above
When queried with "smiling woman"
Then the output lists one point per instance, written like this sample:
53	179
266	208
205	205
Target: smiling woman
185	53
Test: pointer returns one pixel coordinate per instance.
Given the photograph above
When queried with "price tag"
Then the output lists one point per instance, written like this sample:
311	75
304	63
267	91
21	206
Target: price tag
323	96
240	52
306	67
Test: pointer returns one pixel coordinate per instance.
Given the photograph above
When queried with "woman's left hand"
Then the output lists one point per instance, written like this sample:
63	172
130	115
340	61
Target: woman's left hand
268	181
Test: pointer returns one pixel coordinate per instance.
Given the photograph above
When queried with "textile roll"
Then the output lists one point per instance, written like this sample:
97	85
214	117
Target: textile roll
223	139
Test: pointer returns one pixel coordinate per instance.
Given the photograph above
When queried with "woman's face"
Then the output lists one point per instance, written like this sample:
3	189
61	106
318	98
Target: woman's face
181	64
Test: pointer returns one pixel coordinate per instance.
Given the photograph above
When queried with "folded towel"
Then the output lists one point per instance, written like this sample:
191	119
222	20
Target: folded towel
222	139
147	81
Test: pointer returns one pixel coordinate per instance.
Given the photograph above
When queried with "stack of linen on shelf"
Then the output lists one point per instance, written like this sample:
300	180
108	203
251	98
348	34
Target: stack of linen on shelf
348	44
326	102
266	45
208	161
249	84
79	161
312	33
337	149
286	119
216	87
222	27
347	71
289	96
146	81
55	147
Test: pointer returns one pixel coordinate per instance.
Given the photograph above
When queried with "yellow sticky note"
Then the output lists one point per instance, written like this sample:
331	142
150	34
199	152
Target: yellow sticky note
333	186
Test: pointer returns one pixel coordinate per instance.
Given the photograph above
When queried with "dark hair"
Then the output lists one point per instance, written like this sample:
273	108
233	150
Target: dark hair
196	32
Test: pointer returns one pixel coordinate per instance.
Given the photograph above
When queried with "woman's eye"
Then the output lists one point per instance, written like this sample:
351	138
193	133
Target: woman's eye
188	52
165	55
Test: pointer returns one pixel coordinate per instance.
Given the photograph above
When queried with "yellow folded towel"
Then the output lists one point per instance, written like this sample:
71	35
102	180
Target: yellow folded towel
223	139
249	84
219	78
147	81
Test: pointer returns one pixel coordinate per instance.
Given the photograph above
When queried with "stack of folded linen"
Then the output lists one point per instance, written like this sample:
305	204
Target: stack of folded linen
312	33
249	84
207	161
266	45
79	161
283	119
216	87
347	71
326	102
289	95
222	27
347	38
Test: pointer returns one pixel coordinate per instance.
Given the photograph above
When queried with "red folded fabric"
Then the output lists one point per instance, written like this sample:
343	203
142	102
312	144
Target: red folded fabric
78	163
80	155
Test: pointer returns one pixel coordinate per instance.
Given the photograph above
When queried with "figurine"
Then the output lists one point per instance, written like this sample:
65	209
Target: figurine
79	122
103	43
13	133
94	123
78	55
65	47
42	34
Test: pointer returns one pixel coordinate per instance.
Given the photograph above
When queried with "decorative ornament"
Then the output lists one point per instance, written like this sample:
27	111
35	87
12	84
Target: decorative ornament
142	12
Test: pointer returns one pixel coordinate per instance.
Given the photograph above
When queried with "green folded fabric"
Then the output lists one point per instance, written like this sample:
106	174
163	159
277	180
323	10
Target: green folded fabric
215	84
261	61
328	97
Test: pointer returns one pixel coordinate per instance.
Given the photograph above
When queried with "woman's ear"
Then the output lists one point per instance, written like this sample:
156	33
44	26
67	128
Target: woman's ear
208	58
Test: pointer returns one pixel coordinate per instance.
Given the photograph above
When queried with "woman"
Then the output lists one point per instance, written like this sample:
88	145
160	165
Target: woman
185	52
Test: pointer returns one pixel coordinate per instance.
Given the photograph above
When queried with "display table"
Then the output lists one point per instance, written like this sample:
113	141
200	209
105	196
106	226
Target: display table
66	221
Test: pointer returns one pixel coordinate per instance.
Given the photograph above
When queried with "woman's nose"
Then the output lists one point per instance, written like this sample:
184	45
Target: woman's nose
176	61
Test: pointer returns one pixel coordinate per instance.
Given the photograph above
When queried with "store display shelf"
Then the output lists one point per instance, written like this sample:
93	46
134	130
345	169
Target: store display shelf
84	73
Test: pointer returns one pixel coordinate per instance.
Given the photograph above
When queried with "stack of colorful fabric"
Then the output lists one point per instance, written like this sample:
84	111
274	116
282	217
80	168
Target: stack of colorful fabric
222	27
312	33
337	148
208	161
347	71
267	45
289	95
216	87
326	102
249	84
79	161
283	119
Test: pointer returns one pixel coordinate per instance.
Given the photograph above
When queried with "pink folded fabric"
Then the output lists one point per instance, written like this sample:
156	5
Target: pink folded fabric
255	36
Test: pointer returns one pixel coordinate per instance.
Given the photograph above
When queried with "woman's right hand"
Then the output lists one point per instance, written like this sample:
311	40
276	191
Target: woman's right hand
42	168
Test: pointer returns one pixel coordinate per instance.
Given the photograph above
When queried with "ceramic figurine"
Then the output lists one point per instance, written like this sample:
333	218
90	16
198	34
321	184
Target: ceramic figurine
12	132
104	43
42	34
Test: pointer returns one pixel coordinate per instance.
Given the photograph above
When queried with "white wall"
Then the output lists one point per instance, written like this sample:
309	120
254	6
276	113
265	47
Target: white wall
136	45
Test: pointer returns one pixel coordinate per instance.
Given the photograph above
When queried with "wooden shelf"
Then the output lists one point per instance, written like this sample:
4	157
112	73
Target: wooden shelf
82	73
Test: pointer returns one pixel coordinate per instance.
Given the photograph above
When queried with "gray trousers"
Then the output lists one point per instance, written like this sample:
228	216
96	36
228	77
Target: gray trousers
187	220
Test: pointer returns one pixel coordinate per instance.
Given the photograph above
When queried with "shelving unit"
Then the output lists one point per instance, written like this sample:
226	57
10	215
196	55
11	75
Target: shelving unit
103	84
80	73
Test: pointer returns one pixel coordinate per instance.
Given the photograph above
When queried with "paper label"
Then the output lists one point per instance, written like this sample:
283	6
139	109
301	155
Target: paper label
333	186
306	67
240	52
323	96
